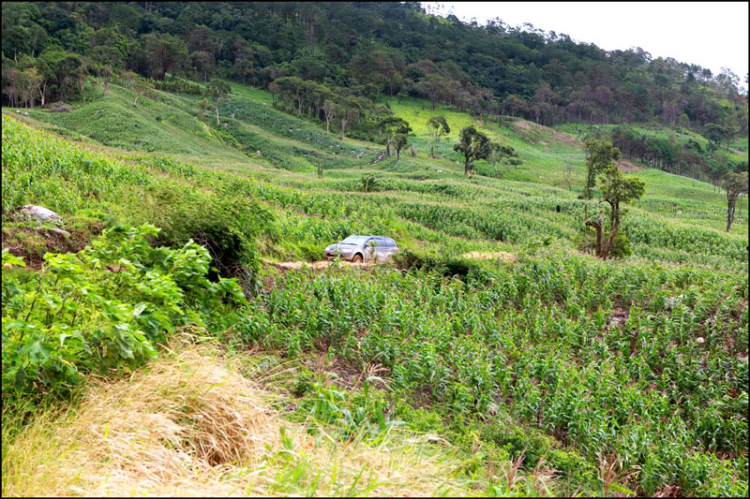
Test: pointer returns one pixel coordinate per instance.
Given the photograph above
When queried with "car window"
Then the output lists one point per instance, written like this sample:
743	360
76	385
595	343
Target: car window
354	240
391	243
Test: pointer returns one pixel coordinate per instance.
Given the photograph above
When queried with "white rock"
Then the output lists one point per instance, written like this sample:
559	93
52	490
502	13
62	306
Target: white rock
700	340
39	213
60	231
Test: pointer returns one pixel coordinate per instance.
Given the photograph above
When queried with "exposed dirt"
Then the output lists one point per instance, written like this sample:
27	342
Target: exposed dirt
557	137
565	139
490	255
620	316
32	244
324	264
627	166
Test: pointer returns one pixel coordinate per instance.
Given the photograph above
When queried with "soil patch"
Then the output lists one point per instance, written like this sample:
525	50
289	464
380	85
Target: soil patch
620	316
324	264
626	166
565	139
32	244
490	255
523	124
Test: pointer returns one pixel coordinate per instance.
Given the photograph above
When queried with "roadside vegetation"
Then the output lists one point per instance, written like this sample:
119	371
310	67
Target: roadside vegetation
567	314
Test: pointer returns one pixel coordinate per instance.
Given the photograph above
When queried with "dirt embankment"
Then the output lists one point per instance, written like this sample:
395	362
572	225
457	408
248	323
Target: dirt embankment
627	166
534	133
324	264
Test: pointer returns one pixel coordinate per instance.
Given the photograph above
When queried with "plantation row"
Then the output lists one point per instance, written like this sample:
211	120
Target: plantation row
69	179
663	391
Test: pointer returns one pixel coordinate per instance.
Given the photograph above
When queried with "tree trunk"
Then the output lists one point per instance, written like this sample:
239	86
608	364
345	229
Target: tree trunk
466	167
435	155
730	215
217	115
610	240
598	228
43	90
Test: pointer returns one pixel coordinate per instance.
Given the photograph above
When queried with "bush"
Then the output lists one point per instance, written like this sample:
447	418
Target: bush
226	225
620	246
447	266
582	473
515	439
104	307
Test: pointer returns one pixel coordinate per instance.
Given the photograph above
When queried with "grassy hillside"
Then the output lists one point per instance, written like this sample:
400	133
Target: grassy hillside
538	370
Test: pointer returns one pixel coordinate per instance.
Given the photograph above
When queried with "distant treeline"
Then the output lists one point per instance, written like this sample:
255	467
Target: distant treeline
359	51
689	159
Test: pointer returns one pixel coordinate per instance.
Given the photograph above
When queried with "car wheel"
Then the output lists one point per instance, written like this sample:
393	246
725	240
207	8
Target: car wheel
357	258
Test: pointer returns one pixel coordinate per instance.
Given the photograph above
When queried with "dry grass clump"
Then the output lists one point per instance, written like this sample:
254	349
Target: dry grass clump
164	426
188	425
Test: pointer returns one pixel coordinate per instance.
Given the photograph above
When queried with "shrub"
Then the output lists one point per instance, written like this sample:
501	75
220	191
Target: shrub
104	307
447	266
226	225
515	439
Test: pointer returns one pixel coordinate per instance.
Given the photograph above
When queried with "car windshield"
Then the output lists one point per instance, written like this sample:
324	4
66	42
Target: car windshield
354	240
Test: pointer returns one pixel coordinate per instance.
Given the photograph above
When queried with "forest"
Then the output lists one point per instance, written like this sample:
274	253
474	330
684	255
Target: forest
361	50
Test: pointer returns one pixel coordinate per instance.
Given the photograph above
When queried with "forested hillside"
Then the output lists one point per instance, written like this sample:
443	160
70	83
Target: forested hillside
334	61
566	314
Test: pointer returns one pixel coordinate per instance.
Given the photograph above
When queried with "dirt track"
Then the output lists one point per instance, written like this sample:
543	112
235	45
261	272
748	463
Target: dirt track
324	264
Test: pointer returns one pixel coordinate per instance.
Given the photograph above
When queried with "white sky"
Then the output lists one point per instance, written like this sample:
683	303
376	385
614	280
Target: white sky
711	34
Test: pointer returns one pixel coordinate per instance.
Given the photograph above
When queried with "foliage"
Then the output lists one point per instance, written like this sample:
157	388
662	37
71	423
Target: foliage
599	156
539	336
108	306
439	127
474	145
735	184
492	68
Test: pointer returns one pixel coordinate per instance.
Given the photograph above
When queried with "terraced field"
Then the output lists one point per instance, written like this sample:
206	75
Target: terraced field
541	371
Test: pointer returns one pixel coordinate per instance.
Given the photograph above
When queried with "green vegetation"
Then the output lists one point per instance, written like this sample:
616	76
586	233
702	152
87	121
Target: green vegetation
567	314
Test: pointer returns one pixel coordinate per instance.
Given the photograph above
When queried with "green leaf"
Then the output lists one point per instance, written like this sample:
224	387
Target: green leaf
138	310
20	378
619	488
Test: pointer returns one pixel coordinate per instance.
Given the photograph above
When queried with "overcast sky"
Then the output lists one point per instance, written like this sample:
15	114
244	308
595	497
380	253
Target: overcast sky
711	34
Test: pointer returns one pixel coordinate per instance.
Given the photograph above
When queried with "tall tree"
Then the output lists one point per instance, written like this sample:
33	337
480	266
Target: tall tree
166	54
617	189
330	111
218	90
735	184
599	155
498	152
439	127
392	126
433	87
474	145
399	142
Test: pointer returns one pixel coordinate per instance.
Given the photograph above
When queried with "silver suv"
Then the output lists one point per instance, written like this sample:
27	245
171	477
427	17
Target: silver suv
363	249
